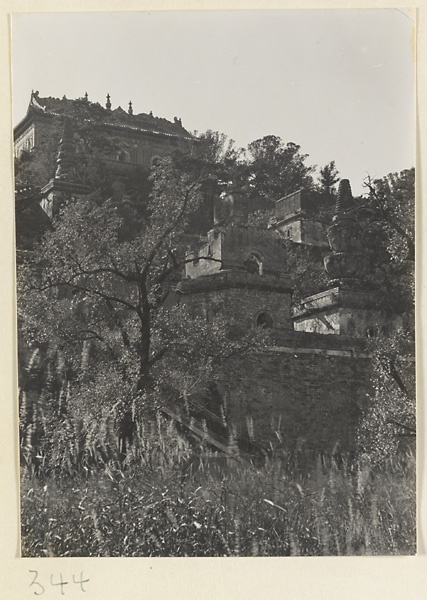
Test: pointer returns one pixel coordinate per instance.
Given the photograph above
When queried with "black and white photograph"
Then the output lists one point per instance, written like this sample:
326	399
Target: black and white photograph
215	283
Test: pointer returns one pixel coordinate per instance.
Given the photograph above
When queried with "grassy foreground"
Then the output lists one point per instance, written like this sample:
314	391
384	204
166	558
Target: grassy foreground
166	501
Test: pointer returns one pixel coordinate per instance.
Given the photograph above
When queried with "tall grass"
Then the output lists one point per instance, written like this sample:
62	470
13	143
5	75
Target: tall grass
171	499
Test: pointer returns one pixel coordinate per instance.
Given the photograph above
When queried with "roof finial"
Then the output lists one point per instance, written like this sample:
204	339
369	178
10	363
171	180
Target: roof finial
108	105
130	109
86	96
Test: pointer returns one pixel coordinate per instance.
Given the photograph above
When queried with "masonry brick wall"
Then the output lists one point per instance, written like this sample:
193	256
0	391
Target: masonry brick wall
212	249
296	398
232	247
241	304
239	242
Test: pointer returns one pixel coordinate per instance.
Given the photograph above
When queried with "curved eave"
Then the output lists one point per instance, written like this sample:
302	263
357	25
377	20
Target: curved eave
27	121
22	125
29	117
141	130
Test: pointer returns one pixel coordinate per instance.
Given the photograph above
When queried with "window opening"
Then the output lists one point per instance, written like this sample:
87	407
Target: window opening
253	264
264	320
371	332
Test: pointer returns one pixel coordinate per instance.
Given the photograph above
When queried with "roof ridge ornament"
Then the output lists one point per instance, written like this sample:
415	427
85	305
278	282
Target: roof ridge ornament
108	104
130	109
34	100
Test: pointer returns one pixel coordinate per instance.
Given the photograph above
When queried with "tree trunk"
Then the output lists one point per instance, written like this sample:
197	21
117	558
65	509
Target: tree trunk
127	424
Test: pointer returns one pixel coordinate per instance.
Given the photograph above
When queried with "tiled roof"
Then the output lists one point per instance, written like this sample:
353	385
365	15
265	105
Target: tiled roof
117	117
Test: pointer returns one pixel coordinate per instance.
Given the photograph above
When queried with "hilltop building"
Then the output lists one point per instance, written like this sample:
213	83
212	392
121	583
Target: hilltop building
306	390
144	136
71	132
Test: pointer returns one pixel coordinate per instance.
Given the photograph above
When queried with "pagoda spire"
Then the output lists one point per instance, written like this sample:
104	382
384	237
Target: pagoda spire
64	184
66	155
108	104
348	263
352	305
344	197
130	109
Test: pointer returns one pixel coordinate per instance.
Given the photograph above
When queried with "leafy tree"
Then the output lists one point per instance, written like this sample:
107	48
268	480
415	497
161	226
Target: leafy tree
389	417
305	264
217	148
389	420
34	169
276	169
97	294
387	214
392	201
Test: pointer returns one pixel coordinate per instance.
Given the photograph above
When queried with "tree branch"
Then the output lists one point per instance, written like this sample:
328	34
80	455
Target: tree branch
412	431
168	230
389	219
100	294
158	356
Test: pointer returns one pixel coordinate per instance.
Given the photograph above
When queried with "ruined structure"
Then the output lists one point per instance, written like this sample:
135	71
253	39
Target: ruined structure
296	218
306	390
349	306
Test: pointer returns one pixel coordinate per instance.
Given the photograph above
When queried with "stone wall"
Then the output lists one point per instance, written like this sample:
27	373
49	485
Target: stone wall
304	231
345	312
240	297
207	258
314	233
240	242
296	397
349	321
232	247
304	392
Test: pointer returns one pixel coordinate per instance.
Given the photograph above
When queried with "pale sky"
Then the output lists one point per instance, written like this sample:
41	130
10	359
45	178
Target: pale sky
340	83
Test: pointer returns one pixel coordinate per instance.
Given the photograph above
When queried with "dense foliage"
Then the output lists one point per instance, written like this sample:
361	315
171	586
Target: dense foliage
389	419
106	346
111	337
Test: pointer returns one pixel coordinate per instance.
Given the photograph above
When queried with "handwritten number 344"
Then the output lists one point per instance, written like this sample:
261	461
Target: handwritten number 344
40	589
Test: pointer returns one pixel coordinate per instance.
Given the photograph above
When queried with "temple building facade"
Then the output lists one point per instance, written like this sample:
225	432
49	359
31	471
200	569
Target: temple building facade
144	137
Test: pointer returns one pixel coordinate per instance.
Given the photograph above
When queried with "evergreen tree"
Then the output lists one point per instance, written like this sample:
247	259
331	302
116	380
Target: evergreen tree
276	169
328	178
